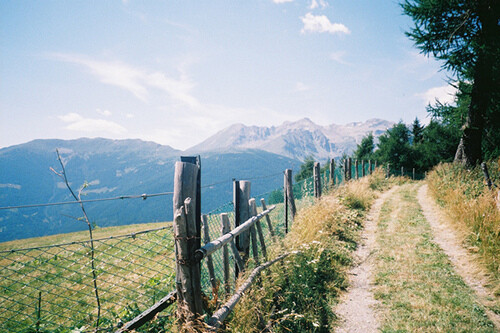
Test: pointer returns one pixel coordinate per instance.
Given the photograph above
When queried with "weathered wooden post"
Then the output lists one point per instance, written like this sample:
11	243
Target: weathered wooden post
356	167
363	172
289	194
375	165
486	175
239	265
188	278
268	219
402	171
225	253
369	167
196	160
332	172
345	171
349	167
388	170
413	174
253	212
210	263
241	214
317	180
253	234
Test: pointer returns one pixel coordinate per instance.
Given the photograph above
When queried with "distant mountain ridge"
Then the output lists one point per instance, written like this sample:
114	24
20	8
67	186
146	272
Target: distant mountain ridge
296	140
123	167
114	168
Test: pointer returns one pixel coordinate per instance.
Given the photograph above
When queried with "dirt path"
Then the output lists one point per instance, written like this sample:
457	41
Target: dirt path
356	307
463	262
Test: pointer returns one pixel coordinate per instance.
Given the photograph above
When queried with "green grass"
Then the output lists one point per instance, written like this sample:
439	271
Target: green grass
132	273
415	282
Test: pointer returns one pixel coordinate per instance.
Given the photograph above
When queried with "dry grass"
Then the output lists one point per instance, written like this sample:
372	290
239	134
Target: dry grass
473	210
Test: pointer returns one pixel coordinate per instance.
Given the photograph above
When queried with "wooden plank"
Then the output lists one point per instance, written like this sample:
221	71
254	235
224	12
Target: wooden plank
150	313
227	238
220	315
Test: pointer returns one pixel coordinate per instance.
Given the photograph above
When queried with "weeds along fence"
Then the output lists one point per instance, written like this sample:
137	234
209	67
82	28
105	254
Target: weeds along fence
51	288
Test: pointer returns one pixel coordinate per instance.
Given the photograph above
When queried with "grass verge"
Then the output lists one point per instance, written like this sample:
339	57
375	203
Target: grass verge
415	282
473	210
299	294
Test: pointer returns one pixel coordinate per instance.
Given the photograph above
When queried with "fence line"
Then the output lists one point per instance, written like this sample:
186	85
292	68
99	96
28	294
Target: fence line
134	270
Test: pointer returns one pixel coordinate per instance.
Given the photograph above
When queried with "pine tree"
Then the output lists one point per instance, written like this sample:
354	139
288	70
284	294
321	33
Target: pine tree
464	34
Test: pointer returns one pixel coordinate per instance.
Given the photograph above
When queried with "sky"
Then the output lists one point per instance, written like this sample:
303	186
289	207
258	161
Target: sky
177	72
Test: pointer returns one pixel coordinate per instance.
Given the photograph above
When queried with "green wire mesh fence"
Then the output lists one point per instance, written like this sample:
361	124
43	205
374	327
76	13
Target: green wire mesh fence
50	288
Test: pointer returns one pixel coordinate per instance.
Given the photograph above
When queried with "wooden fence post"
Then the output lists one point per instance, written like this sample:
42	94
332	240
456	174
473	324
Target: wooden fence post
413	174
388	170
196	160
268	219
345	171
253	212
402	171
332	172
210	263
225	253
289	193
363	172
241	214
375	165
239	265
356	167
317	180
349	168
188	278
486	175
369	167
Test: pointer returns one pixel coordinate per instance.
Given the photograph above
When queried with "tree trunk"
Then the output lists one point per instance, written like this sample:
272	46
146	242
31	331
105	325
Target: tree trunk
469	150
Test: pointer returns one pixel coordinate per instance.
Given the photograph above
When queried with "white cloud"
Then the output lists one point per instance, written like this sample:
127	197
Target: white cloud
338	56
315	4
88	125
282	1
321	23
105	113
445	94
299	86
137	81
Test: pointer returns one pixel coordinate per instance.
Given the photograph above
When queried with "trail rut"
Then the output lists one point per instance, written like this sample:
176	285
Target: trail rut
356	307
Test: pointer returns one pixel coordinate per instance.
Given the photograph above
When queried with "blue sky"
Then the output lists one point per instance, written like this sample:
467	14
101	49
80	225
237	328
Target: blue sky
176	72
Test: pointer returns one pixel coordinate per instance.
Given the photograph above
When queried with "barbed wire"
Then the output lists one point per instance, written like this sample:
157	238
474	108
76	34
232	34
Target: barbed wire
143	196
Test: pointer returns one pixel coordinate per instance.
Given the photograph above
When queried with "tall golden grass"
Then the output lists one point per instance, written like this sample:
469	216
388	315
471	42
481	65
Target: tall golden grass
472	208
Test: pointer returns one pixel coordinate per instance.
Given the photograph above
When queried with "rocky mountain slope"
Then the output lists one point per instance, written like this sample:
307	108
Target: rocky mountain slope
296	140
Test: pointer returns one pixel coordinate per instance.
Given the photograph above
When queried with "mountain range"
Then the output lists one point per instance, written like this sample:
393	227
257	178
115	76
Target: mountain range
114	168
296	140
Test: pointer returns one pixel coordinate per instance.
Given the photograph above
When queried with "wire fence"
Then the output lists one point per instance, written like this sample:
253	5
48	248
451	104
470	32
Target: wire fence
50	288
